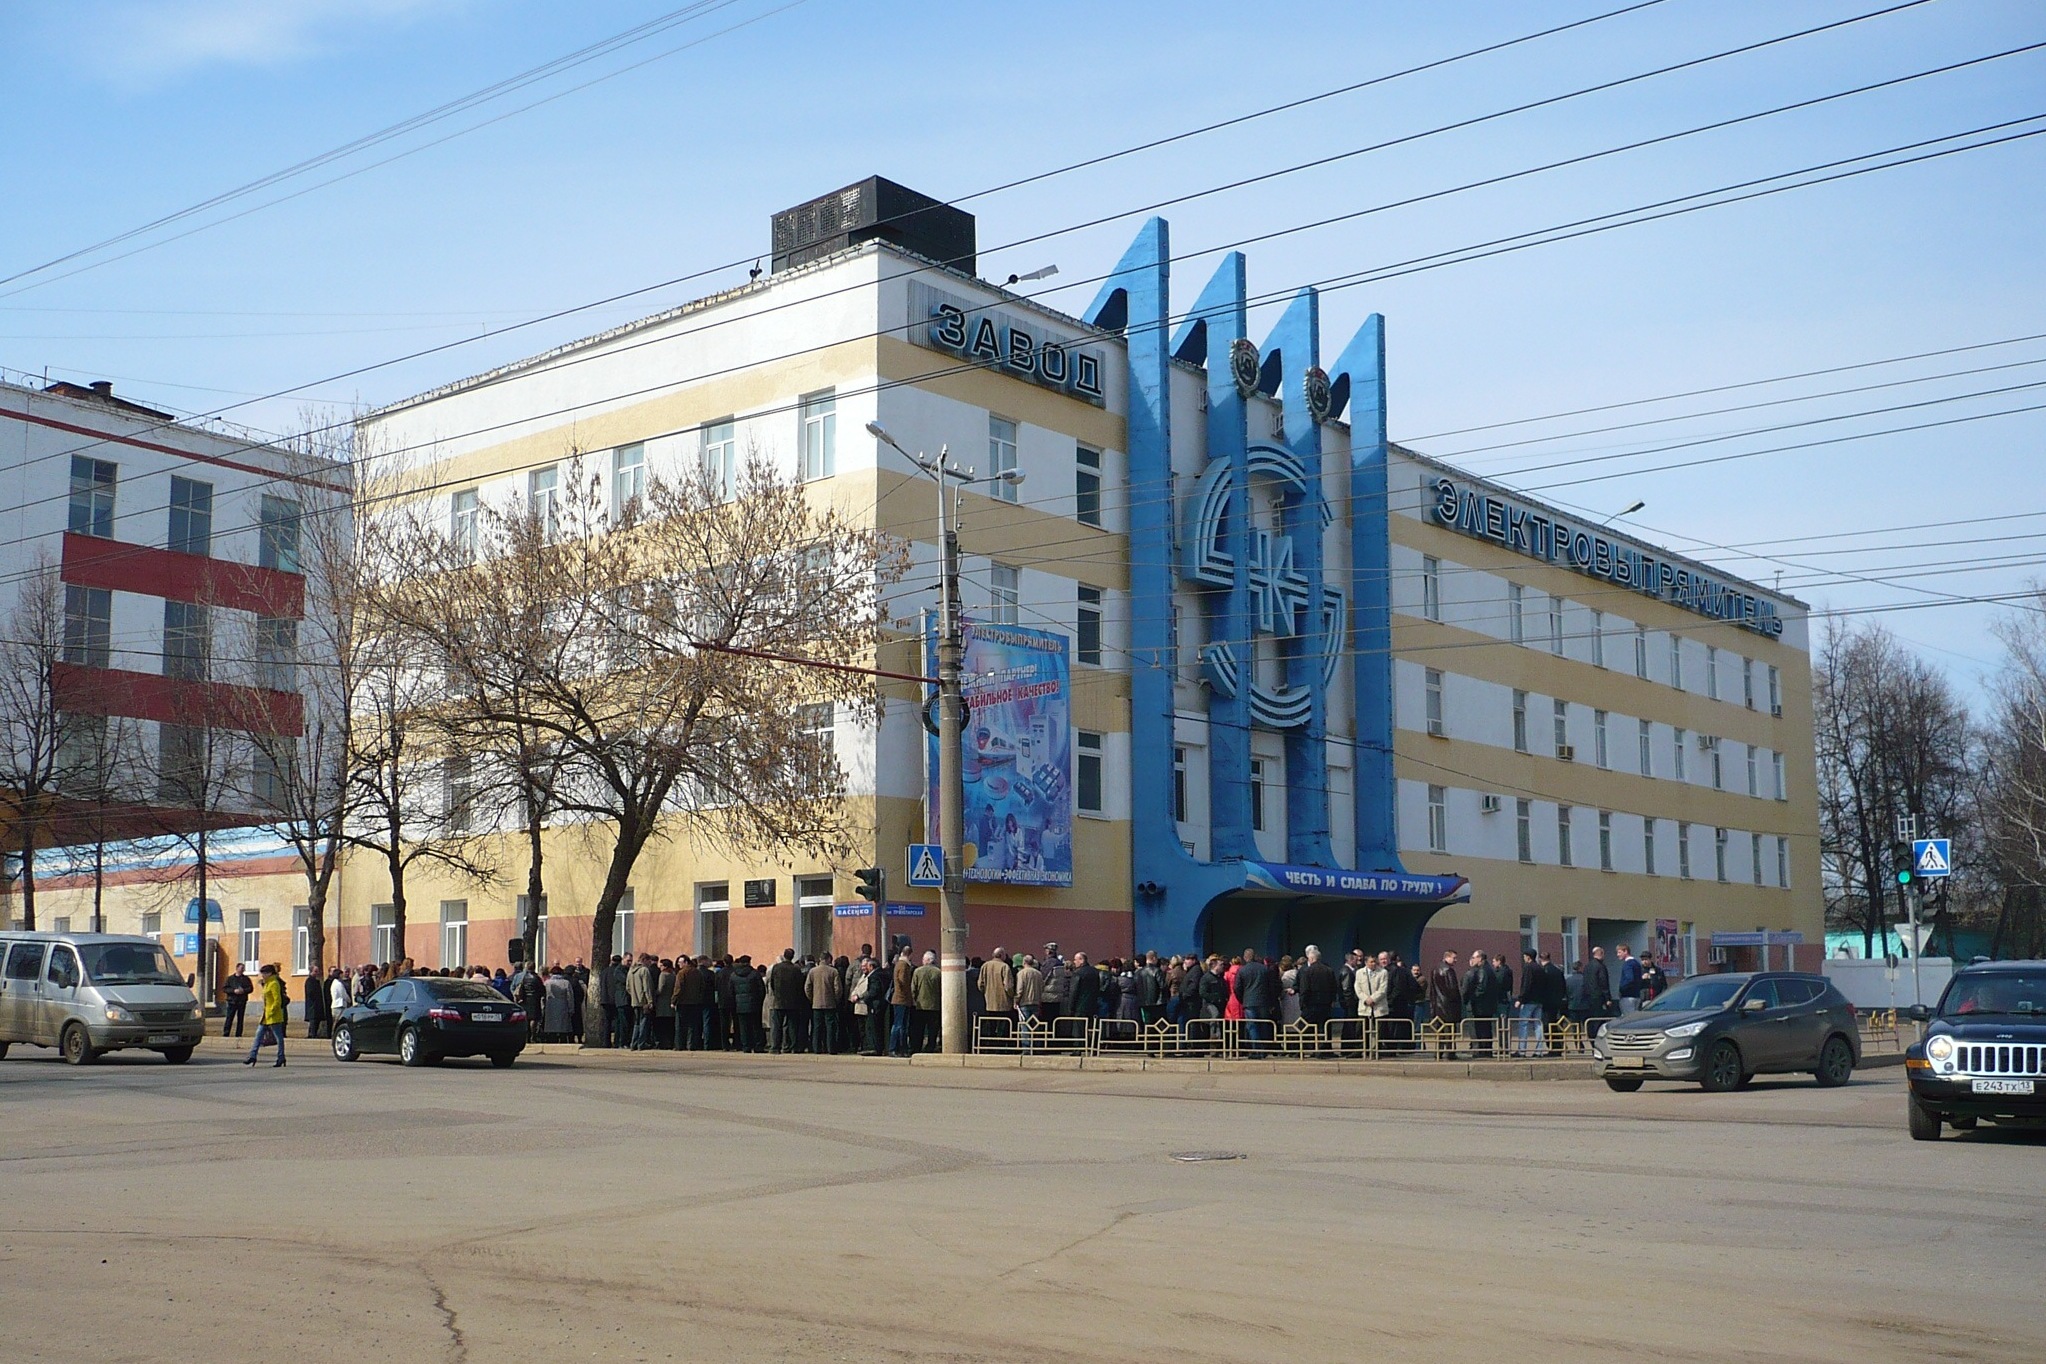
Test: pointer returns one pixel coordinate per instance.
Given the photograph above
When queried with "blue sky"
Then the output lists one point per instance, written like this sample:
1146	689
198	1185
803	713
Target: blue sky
125	110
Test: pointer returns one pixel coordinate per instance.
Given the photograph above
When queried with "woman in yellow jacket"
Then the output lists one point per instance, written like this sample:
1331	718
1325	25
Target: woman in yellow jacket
272	1026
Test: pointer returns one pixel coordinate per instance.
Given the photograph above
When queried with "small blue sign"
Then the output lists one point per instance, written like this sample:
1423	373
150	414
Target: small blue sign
897	909
1933	857
184	944
213	915
926	865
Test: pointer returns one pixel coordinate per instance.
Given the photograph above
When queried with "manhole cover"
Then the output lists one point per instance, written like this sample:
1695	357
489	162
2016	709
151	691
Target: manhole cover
1195	1157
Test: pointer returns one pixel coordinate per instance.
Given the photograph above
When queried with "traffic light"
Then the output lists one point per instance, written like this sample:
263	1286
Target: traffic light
872	884
1905	863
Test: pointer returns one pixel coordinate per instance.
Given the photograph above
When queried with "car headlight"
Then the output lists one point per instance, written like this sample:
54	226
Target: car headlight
1687	1029
1940	1048
117	1014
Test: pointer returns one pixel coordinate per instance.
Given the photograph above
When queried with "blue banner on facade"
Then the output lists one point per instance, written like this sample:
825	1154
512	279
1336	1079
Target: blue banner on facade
1362	885
1018	755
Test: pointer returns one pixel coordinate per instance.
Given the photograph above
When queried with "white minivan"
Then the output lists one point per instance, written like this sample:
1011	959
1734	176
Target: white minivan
90	993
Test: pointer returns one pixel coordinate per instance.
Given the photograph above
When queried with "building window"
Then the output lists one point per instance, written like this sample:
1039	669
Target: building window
1087	641
152	922
1775	691
628	476
464	512
1001	455
301	939
1719	854
1177	626
191	516
1646	731
277	533
1782	862
88	626
1598	639
1431	587
277	653
1605	840
1676	661
1690	947
1718	765
1755	858
1754	773
1562	727
1677	753
454	934
1599	743
1712	671
181	775
1648	844
383	934
818	413
1556	625
1257	794
1573	940
622	925
268	779
252	935
1683	850
1516	613
1563	850
1431	689
1523	829
1530	933
1641	651
719	458
1179	785
92	497
185	640
1087	486
1002	595
543	500
1782	783
1438	819
1519	721
713	919
820	722
457	792
1087	783
1748	682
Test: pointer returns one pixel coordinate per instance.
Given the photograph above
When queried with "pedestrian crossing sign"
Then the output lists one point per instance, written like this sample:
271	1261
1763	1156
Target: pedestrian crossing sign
926	865
1932	857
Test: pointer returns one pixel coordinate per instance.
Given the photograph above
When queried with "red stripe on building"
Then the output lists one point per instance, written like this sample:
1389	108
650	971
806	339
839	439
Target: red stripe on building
89	561
175	701
138	443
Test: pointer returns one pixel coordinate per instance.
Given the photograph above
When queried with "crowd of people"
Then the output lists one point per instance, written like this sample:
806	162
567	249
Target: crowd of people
826	1005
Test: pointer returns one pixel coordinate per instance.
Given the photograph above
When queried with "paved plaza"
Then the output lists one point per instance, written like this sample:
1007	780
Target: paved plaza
654	1207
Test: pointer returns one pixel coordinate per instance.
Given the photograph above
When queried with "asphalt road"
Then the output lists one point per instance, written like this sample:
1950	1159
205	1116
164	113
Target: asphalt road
659	1208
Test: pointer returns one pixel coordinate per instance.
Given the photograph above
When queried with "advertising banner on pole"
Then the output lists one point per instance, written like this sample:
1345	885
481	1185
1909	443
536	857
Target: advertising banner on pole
1018	756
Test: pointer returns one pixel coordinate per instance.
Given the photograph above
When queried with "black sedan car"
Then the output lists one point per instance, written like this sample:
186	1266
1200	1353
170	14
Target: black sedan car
426	1018
1983	1057
1722	1031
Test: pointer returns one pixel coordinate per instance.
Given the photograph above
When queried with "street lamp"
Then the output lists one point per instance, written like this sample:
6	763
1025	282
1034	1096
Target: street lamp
1638	505
952	1012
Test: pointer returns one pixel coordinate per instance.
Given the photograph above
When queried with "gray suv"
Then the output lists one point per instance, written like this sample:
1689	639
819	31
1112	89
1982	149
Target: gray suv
1722	1031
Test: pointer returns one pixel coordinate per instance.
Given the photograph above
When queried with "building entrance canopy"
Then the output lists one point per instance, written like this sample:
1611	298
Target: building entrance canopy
1402	887
1280	908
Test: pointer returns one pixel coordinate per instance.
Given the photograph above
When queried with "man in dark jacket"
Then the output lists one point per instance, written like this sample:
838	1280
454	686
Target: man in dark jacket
1257	989
318	1019
1318	988
237	991
1598	984
1150	990
785	993
1445	994
1190	991
748	991
1630	980
689	993
1083	989
1527	1007
1555	991
1480	1003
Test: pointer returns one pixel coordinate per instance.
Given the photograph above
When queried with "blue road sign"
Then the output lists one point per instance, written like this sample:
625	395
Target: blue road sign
926	865
1932	857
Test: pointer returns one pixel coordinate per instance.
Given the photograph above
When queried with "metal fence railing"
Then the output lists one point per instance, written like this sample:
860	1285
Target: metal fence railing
1340	1039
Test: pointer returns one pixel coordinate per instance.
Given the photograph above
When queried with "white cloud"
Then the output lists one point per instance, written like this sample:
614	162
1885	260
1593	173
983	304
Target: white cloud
152	40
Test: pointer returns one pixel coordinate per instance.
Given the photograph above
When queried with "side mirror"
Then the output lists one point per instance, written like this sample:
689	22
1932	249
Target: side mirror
1919	1013
1753	1006
189	979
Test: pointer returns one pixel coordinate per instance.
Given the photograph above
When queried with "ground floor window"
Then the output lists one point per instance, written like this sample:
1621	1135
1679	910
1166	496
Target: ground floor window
252	935
301	939
622	926
383	934
713	919
813	916
454	934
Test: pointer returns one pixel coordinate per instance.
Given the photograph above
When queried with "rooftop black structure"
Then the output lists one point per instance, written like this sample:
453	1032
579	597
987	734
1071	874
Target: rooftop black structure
874	209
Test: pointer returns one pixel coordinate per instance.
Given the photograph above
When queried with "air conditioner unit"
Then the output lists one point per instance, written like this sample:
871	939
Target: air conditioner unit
1718	956
1708	742
1567	752
1777	710
1491	805
1435	728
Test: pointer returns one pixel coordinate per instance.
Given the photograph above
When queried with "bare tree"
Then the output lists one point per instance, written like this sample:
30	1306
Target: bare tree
37	738
2013	783
664	652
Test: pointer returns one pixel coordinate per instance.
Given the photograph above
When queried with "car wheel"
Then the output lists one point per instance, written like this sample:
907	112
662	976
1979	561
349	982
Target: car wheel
1961	1124
177	1056
411	1050
1723	1069
503	1059
1623	1084
77	1046
1836	1063
1924	1122
344	1044
3	1051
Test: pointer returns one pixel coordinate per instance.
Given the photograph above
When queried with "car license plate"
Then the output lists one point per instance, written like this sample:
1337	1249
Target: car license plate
2003	1086
171	1039
488	1018
1630	1062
